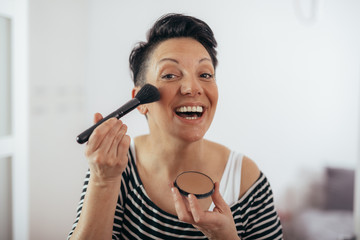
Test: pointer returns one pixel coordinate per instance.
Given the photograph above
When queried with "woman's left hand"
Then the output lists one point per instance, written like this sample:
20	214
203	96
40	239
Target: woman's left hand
216	224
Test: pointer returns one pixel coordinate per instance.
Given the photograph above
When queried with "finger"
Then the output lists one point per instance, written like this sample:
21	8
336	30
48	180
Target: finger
219	202
123	147
99	134
180	207
97	117
115	132
120	143
118	136
195	208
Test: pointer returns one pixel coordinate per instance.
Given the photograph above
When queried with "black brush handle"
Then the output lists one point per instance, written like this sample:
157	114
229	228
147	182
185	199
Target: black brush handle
126	108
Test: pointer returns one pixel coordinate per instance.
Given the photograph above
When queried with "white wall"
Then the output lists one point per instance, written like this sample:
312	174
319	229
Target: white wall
57	56
289	87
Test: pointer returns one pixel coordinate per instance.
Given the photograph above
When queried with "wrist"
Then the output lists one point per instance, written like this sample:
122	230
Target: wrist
104	182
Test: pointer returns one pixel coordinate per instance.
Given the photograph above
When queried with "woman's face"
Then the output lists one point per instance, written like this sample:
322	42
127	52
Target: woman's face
182	70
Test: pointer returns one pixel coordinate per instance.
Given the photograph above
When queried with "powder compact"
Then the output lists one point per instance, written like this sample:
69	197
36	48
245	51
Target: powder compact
197	183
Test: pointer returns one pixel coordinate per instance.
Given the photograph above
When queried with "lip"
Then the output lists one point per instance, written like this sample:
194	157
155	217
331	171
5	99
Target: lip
190	105
191	121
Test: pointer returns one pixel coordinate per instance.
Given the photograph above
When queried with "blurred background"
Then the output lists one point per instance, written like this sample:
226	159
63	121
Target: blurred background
289	87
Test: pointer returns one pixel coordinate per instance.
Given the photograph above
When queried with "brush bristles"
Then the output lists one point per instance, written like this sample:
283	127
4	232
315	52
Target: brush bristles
147	94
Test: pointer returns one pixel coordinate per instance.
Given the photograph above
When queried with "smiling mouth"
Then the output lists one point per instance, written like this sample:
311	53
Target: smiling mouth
190	112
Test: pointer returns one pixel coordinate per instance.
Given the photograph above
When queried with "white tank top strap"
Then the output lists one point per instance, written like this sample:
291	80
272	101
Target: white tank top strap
230	180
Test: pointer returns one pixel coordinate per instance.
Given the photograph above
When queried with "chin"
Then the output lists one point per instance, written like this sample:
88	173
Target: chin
192	136
193	139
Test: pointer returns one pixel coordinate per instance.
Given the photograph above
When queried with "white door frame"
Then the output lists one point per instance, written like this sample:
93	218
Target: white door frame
16	145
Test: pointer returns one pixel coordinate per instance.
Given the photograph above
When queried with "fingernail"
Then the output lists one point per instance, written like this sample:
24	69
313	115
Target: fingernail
191	197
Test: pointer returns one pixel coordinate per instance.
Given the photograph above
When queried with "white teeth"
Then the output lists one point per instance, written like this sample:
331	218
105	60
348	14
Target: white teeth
190	109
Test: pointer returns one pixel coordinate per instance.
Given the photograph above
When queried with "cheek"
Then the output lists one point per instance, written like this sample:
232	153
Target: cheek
167	95
168	89
160	107
216	98
213	95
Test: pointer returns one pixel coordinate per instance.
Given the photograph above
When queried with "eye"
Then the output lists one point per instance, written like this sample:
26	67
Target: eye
207	76
169	76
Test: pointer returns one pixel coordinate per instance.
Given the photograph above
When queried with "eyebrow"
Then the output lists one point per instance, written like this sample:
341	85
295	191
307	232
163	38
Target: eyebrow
176	61
169	59
205	59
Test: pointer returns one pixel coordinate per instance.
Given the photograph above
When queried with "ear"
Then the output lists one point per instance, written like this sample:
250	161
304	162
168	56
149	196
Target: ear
142	108
134	91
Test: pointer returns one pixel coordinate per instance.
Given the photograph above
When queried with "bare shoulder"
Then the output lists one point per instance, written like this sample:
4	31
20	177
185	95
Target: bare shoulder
249	174
139	142
217	149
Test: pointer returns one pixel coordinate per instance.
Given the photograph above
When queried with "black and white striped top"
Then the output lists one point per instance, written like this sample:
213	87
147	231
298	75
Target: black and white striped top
137	217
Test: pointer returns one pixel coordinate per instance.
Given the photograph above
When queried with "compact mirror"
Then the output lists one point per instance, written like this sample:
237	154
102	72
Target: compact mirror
197	183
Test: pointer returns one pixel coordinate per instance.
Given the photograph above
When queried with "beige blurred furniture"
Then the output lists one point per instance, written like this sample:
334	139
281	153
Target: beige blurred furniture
326	212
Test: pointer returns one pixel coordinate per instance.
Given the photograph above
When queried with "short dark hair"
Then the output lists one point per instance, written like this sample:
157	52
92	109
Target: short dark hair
167	27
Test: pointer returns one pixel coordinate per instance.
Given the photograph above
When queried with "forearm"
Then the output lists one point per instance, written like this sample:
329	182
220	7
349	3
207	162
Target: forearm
97	214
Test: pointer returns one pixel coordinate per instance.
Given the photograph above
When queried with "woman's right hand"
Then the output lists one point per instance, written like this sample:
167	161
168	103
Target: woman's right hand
107	150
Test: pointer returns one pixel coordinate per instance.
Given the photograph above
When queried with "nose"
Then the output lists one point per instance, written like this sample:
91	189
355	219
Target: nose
191	86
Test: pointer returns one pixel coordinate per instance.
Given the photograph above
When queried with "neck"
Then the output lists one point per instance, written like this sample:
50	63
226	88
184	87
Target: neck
174	156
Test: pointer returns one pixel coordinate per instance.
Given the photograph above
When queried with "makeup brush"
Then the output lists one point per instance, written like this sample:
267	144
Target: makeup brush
147	94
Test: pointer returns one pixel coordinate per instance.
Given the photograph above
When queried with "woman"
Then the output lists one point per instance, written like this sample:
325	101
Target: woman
128	192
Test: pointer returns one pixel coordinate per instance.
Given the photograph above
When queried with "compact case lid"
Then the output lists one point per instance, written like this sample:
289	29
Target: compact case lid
197	183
